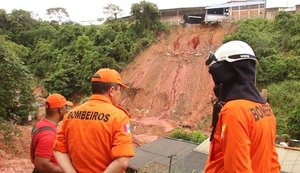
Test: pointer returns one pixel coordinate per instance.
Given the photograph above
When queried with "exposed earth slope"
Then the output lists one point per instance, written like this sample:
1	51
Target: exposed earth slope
169	83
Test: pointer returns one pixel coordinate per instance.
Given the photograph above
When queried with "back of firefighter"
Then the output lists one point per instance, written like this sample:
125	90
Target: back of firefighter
95	136
244	126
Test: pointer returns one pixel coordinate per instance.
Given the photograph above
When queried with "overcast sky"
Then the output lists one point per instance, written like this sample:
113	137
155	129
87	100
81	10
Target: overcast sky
89	10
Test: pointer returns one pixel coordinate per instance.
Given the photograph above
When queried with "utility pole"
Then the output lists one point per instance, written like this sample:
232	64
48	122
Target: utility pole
171	156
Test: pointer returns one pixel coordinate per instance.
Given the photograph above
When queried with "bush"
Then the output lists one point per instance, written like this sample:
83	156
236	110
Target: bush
293	123
284	97
194	136
8	130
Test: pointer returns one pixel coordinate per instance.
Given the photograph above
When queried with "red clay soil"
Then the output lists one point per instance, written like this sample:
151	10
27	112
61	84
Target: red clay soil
169	83
169	87
14	157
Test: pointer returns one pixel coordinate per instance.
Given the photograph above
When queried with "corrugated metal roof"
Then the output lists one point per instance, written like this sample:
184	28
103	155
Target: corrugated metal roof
235	4
155	156
191	157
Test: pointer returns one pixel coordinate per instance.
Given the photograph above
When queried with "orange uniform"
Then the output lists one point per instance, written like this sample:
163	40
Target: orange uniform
94	134
244	140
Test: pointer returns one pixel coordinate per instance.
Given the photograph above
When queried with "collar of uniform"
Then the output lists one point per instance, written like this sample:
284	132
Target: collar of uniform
100	97
105	99
124	110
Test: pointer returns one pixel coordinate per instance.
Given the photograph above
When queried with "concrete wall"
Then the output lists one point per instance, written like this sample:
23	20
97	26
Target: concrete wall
182	11
241	14
175	16
172	20
298	8
271	13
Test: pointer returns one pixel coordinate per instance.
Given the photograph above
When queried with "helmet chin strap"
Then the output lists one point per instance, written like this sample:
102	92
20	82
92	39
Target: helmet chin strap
218	104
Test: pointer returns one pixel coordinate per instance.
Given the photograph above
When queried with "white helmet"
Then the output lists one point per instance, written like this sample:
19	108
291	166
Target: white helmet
231	51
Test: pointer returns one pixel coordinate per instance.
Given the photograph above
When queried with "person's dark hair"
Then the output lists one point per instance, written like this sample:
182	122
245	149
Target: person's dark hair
50	111
102	87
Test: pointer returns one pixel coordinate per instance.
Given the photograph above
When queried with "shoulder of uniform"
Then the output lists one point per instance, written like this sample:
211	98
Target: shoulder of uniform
124	110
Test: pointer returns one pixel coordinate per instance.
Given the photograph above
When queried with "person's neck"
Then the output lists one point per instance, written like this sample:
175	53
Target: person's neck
107	96
52	119
239	90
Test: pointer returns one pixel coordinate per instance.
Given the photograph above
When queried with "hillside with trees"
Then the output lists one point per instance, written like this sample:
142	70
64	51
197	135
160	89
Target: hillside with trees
62	55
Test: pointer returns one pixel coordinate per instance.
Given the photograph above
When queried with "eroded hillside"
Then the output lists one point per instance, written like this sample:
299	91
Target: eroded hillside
169	87
169	83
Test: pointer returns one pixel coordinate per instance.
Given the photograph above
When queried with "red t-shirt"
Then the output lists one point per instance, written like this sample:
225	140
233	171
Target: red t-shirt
44	141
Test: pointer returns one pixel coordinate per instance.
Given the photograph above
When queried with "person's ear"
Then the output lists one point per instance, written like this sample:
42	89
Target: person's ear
111	91
59	110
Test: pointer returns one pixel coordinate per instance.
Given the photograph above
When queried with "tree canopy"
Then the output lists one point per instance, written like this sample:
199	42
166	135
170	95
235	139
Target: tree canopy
58	14
16	82
113	10
146	14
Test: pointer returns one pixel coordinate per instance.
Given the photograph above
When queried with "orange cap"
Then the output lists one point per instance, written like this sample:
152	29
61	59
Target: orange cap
57	101
108	75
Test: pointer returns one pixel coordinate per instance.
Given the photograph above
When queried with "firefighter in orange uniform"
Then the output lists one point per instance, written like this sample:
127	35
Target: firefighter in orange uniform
244	127
95	136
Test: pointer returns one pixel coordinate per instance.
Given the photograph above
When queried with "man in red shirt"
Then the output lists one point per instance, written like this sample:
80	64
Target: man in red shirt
244	127
44	134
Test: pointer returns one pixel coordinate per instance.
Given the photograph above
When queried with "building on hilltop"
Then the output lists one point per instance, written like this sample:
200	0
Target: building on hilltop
271	12
235	10
175	16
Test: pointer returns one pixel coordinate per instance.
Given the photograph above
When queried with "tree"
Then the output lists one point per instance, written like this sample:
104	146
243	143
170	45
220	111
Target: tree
43	57
58	14
3	21
146	14
113	10
16	83
20	22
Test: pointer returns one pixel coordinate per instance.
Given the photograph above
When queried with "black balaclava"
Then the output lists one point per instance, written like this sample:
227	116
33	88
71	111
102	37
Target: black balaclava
235	80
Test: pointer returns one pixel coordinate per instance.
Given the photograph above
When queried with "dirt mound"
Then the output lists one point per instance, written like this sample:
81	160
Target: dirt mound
14	156
169	83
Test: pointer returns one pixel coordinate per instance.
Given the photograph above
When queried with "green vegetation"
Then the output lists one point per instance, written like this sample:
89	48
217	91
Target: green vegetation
193	136
8	131
277	47
285	99
63	56
16	81
146	14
